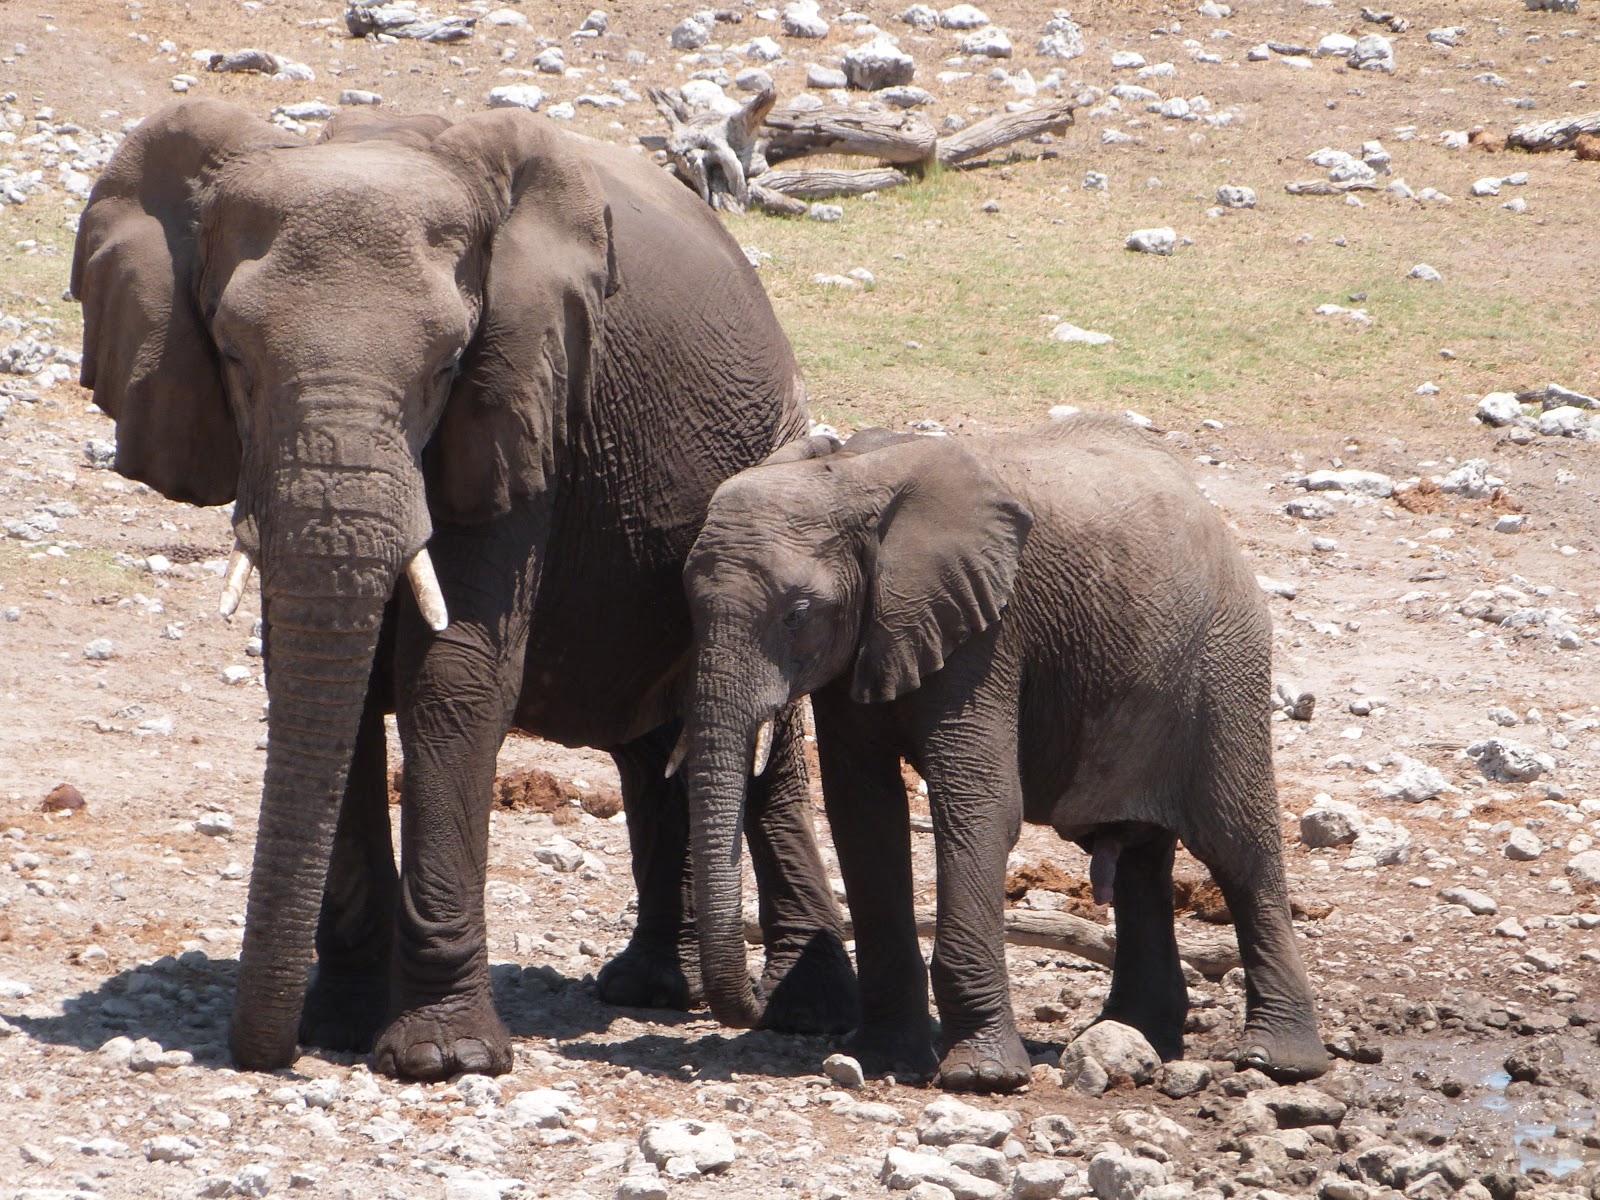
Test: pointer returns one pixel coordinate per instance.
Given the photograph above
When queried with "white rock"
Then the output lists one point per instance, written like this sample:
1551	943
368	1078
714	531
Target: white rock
920	16
235	675
516	95
99	650
1153	241
1478	904
843	1070
819	76
1067	332
826	213
642	1187
543	1108
1414	782
1523	845
987	43
355	96
1563	421
214	824
1061	38
1330	822
1040	1179
801	19
1126	60
963	16
1488	186
1504	761
1585	867
689	34
169	1149
1361	483
1499	408
1472	480
1373	53
1383	842
1509	523
1120	1050
948	1121
877	64
560	853
1230	196
904	1170
1425	273
1117	1175
1510	928
709	1146
504	16
1336	45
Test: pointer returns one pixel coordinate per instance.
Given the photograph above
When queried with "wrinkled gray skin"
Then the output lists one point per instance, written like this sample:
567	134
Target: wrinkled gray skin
533	354
1051	626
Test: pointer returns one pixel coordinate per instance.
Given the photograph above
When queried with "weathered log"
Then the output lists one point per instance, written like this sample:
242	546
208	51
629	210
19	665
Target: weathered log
1212	956
1559	134
890	137
818	185
777	203
715	154
989	135
1326	187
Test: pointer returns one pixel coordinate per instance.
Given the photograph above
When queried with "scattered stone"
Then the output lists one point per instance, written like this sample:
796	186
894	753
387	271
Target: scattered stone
1061	37
1161	241
826	78
1373	53
843	1070
1118	1175
689	34
1230	196
1584	867
63	798
516	95
1425	273
1504	761
1523	845
1067	332
904	1170
1110	1051
1330	822
1537	1061
1478	904
1037	1180
826	213
987	43
1414	782
1360	483
1181	1078
1301	1106
214	824
877	64
948	1122
801	19
708	1146
99	650
1380	843
642	1187
963	16
542	1108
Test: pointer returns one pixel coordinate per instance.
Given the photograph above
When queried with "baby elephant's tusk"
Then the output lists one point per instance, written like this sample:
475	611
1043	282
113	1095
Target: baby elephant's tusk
425	585
234	579
763	749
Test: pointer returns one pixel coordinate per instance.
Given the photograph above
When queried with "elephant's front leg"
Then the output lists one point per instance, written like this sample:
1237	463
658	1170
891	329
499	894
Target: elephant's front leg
807	980
970	764
865	796
349	994
456	692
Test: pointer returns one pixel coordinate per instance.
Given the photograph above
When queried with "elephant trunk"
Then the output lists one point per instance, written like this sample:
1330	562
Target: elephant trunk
724	734
326	577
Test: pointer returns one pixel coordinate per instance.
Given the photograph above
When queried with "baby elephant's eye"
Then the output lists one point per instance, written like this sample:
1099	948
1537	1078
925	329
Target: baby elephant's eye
796	614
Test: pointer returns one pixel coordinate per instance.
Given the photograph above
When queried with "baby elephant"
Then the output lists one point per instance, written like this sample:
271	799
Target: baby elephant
1050	625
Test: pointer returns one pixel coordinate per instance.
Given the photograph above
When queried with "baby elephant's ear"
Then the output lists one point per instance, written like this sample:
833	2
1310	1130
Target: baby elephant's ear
943	565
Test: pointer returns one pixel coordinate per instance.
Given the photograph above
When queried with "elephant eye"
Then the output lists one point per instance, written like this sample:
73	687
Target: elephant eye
796	614
451	367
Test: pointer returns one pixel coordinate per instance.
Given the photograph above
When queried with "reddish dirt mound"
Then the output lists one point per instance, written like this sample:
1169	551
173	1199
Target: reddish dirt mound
540	791
1588	147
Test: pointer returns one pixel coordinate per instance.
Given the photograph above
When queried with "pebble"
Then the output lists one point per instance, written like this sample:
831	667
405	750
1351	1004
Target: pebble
826	213
904	1170
1499	408
802	19
1504	761
1584	867
1373	53
214	824
1231	196
987	43
516	95
1330	822
1180	1078
99	650
876	64
1105	1054
1414	782
1425	273
689	34
963	16
1119	1175
1510	928
1070	333
1360	483
641	1187
1061	38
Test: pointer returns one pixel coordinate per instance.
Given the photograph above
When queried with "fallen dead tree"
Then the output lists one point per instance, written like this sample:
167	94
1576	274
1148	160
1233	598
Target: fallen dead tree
1560	134
728	158
1213	955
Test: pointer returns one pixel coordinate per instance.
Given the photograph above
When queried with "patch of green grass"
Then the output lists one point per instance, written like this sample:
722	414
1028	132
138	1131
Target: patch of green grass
956	326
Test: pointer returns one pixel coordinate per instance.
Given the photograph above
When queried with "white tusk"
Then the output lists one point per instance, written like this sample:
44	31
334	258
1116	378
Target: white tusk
679	753
425	585
763	748
234	579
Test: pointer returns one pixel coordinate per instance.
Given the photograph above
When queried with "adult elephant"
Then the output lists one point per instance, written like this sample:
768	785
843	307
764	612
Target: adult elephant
1052	626
512	365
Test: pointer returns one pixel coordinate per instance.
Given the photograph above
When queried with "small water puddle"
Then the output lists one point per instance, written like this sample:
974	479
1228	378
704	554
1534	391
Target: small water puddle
1536	1141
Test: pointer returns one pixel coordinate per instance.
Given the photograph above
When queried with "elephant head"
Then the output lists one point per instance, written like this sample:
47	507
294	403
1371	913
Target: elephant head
871	562
351	340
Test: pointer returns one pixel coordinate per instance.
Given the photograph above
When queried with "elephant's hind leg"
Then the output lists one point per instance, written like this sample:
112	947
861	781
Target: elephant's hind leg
1147	988
660	968
1239	840
348	1001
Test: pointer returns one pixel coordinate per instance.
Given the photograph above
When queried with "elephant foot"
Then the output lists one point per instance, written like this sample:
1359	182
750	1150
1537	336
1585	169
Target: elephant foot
993	1061
1161	1030
344	1012
444	1039
811	988
904	1051
1283	1055
650	975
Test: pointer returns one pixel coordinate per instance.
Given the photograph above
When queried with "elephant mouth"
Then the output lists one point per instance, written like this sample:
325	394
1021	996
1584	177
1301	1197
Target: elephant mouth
419	571
760	753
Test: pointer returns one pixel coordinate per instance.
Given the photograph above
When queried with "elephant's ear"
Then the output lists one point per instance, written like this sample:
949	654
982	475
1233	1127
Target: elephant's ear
146	353
942	565
550	267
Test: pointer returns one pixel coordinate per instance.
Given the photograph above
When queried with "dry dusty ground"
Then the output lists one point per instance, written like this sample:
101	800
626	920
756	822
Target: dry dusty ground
123	918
